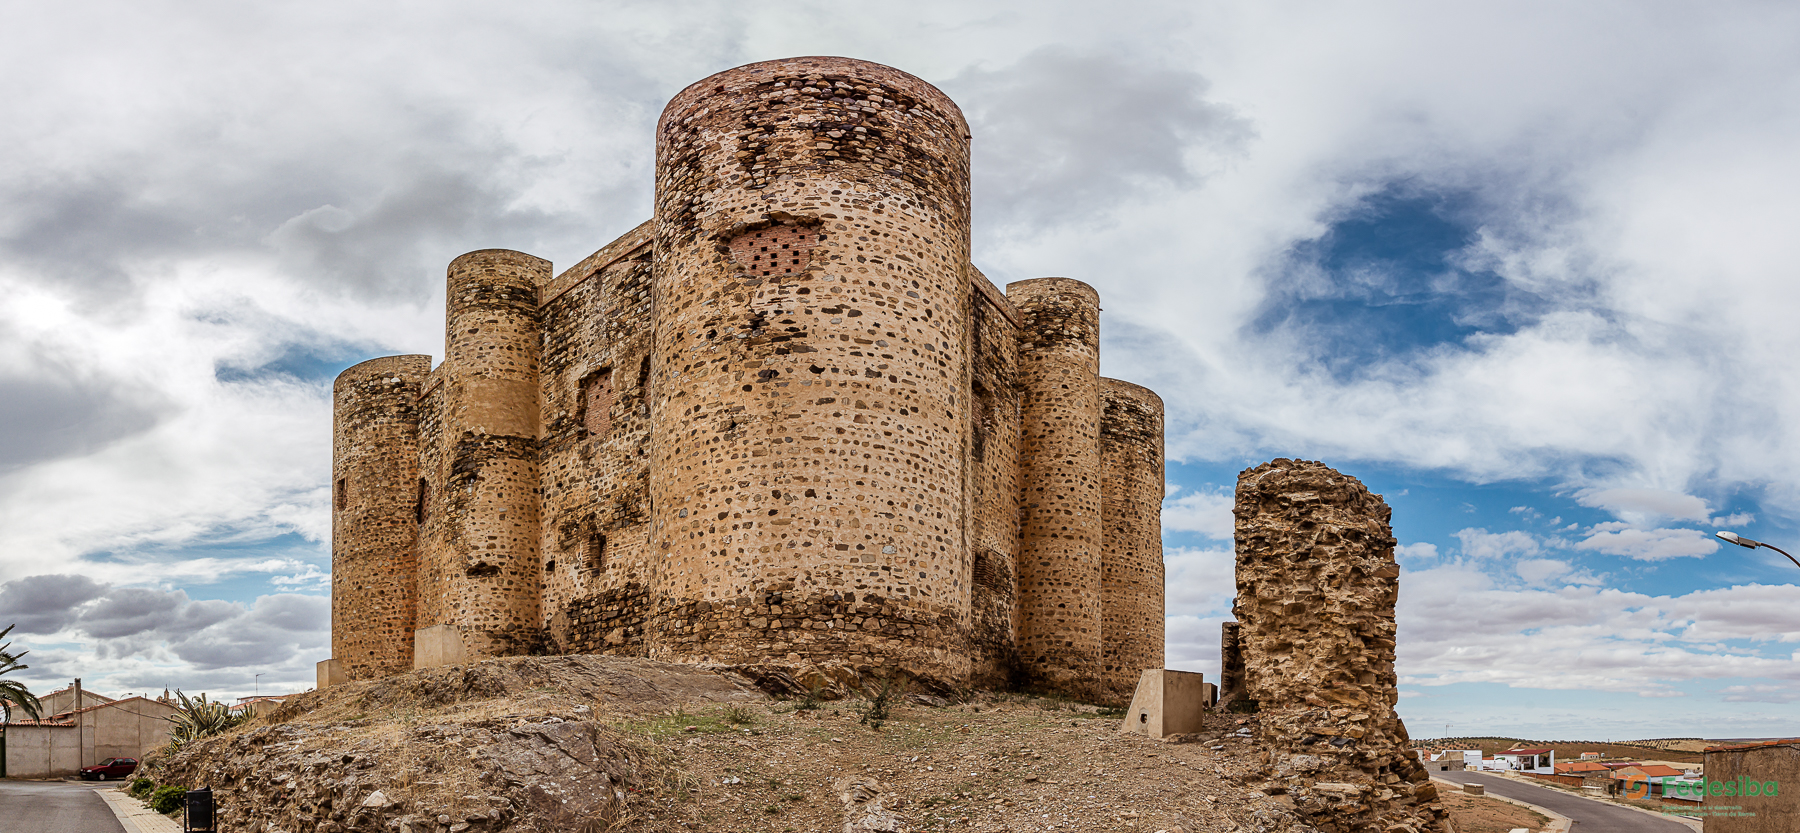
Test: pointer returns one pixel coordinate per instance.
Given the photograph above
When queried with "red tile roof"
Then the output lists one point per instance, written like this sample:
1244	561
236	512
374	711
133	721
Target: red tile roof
1583	766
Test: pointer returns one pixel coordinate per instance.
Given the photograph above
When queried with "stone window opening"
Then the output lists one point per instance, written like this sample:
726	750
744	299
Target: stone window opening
596	402
596	552
424	495
981	419
340	494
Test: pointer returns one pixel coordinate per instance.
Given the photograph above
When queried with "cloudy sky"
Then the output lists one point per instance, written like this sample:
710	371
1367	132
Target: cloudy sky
1527	269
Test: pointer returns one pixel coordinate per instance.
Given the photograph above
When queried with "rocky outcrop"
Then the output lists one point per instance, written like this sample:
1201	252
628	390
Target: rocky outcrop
517	744
1317	584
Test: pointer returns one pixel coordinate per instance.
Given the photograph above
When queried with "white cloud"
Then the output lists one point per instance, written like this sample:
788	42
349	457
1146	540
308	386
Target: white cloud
1416	550
1648	544
1199	581
1639	503
1760	694
1549	571
1457	624
1208	513
1480	543
1734	519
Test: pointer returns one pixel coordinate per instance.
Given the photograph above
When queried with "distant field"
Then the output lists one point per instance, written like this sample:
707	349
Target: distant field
1567	751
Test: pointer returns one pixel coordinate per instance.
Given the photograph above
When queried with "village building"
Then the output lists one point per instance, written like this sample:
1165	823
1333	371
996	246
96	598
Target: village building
81	728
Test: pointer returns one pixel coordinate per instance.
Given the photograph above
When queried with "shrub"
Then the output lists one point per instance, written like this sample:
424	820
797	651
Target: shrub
740	716
198	717
891	688
814	693
167	799
140	787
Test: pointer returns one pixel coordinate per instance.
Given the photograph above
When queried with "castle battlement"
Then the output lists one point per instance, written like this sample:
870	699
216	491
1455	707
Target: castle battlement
785	422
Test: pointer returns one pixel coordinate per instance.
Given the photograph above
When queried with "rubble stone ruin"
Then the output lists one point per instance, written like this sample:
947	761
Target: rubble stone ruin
1317	583
784	423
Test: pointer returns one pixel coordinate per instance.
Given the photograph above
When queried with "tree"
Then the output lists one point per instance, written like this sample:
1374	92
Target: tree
13	693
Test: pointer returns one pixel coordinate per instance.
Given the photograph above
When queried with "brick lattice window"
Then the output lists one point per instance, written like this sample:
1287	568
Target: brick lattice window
776	250
597	401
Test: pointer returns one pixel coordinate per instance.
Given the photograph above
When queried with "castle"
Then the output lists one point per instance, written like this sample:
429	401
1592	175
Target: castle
784	422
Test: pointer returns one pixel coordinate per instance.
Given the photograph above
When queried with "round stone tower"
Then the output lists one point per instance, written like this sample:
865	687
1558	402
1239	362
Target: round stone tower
809	416
374	518
1059	607
1131	562
479	572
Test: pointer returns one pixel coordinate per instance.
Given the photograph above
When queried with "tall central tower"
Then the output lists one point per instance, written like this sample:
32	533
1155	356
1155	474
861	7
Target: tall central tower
809	358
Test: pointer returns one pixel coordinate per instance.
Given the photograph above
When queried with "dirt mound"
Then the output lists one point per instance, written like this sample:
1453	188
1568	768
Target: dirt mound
590	744
512	744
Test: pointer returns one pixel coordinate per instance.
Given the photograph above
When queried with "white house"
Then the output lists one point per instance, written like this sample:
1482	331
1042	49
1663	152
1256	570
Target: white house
1542	761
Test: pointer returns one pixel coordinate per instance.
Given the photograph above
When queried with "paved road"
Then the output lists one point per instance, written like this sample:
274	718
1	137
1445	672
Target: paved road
1589	816
55	807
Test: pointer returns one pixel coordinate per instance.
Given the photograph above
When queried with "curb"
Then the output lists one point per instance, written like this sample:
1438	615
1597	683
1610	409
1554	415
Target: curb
133	815
1559	823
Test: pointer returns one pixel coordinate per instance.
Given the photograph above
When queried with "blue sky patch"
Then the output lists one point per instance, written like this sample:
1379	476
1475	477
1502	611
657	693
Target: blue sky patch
1385	283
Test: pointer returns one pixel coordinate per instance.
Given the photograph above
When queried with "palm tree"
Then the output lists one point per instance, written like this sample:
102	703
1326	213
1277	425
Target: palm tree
13	692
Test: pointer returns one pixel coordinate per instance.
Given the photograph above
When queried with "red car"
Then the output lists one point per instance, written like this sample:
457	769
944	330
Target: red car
109	768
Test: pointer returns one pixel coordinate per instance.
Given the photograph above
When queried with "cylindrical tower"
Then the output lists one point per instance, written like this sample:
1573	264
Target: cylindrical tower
480	570
1059	471
1131	560
374	518
808	430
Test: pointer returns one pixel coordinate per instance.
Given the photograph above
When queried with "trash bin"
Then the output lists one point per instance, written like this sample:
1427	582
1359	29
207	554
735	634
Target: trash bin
197	811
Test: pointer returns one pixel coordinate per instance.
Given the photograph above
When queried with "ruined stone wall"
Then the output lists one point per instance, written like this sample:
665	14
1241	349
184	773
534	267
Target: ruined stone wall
1059	605
807	409
1231	664
479	567
1317	584
595	450
993	490
374	519
1131	560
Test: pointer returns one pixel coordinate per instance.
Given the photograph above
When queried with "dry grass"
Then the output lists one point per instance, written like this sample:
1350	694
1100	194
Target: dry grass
1480	814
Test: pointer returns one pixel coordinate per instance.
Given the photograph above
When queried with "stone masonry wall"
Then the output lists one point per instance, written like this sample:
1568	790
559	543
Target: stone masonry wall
1131	559
1317	584
993	490
479	568
595	452
1059	461
808	418
374	519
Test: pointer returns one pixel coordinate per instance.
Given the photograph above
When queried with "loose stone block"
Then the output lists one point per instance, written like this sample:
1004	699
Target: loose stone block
329	672
438	645
1166	703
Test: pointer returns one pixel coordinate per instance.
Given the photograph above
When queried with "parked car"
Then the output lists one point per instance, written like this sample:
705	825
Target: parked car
109	769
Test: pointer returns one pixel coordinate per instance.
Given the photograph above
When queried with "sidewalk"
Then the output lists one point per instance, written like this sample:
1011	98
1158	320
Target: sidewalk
134	815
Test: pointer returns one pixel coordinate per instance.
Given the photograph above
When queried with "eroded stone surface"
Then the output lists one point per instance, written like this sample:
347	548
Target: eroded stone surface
1317	583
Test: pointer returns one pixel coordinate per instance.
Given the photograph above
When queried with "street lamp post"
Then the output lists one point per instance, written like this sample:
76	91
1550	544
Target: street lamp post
1749	544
